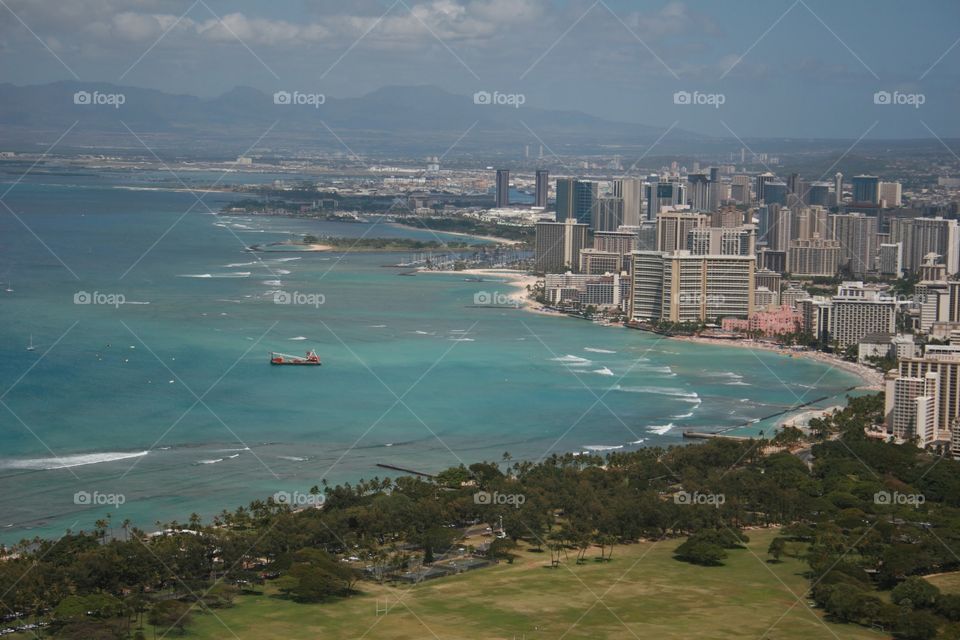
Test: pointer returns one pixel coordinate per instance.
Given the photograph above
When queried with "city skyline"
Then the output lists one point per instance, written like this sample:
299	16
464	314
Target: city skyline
645	54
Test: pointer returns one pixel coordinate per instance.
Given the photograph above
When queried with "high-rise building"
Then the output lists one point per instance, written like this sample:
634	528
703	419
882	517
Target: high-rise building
630	190
857	236
807	222
759	190
913	408
557	245
838	189
866	190
660	193
859	310
673	227
542	188
503	188
943	360
920	236
814	257
890	260
726	241
775	192
576	199
779	228
891	194
698	189
680	287
740	189
718	190
818	194
608	215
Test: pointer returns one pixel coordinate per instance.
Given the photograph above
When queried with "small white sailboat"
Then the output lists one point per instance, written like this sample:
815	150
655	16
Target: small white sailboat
8	289
30	346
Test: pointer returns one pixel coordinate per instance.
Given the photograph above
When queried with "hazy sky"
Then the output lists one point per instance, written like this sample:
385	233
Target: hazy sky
784	68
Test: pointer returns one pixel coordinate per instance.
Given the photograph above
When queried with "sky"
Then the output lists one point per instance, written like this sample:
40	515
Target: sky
751	68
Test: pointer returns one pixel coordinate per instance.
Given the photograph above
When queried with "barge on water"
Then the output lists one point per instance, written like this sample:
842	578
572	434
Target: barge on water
311	359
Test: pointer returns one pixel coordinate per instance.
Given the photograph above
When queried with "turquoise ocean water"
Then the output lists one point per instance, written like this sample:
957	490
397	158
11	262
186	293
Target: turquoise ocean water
172	403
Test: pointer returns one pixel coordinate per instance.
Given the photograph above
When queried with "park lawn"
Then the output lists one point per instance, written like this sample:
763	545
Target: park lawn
947	582
645	593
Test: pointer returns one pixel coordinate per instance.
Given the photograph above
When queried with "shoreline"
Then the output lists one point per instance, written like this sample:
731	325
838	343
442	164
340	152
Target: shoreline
871	378
519	280
462	234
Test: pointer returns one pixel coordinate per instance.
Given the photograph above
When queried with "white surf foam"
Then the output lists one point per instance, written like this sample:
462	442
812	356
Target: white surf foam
604	371
67	462
602	447
660	429
234	274
687	396
298	338
596	350
572	361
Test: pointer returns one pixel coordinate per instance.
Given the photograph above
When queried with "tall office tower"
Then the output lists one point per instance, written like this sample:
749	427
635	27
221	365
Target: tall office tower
858	311
818	194
725	241
814	257
920	236
576	199
793	184
775	192
838	189
760	189
891	194
890	260
779	231
716	190
673	227
743	155
608	215
661	194
503	188
631	191
866	190
740	189
807	222
857	235
681	287
542	188
764	221
557	245
698	188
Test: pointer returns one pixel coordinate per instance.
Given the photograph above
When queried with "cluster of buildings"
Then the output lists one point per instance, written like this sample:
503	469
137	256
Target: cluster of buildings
746	254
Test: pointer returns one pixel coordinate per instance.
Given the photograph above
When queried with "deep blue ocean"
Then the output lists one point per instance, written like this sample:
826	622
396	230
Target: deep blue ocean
170	401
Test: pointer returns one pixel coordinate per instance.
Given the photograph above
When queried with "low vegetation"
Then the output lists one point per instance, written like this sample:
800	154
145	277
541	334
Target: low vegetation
868	519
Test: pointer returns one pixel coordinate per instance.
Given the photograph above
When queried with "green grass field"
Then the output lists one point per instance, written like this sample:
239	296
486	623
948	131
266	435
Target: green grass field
642	593
947	582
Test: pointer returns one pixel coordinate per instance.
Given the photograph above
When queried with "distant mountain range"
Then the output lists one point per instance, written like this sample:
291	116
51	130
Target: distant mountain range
422	120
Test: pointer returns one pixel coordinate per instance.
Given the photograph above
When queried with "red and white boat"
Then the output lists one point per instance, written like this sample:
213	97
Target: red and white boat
281	358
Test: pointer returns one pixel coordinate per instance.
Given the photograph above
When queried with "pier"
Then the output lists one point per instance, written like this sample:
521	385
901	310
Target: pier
392	467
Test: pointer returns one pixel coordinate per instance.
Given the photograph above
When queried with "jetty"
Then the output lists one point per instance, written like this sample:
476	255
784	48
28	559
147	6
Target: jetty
392	467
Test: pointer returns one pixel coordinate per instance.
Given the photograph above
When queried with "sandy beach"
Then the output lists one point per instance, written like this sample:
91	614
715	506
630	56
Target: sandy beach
519	280
872	379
